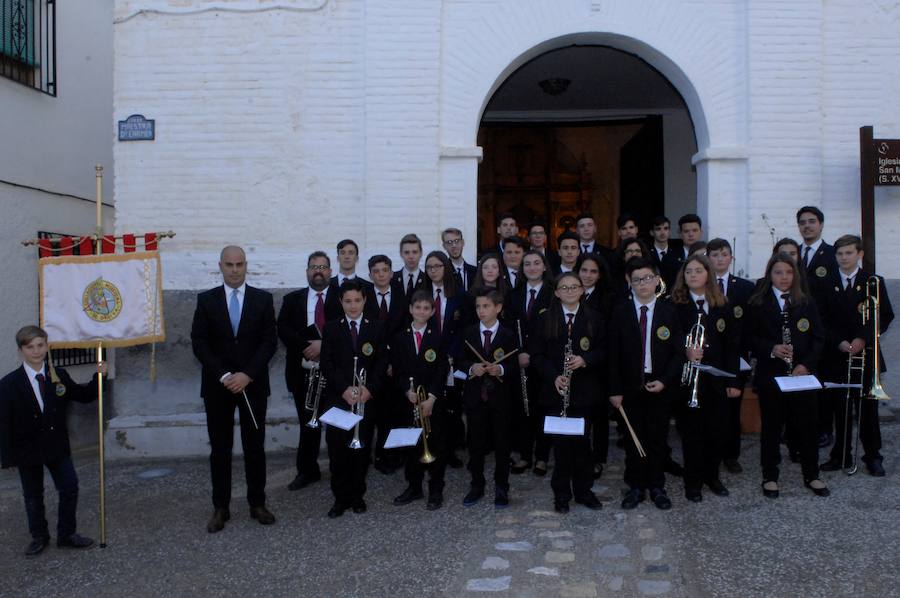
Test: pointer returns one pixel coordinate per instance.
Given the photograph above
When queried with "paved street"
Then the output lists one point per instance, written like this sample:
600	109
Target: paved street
742	545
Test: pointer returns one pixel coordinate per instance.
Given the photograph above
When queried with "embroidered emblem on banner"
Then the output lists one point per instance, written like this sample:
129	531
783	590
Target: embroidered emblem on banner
101	301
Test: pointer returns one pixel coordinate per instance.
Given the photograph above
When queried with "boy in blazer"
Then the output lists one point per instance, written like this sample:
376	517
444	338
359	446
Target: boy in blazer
33	435
488	393
646	348
418	360
352	336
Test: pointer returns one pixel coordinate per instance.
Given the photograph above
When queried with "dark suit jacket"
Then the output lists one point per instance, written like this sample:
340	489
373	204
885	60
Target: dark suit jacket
722	342
220	351
671	262
626	371
452	322
428	368
398	278
398	310
470	271
296	333
516	305
28	436
499	389
547	347
338	353
739	291
365	283
764	328
819	272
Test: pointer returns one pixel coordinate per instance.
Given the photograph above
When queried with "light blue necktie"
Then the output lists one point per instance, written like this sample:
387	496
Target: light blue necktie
234	311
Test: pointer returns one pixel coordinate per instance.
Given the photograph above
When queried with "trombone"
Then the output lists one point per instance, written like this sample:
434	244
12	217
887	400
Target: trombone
359	408
690	373
855	363
421	420
314	388
873	312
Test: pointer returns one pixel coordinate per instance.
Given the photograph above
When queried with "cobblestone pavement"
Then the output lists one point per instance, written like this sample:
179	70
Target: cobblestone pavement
741	545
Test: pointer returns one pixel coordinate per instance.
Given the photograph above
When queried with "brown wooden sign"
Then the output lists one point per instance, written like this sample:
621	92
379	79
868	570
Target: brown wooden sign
887	162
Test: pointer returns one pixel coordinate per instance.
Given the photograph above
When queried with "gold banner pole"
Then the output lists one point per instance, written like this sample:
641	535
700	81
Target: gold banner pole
100	447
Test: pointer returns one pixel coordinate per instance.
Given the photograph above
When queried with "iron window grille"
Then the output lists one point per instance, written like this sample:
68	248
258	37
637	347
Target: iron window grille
28	43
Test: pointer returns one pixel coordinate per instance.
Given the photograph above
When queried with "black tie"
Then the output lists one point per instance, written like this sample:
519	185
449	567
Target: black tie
409	286
585	248
849	284
806	256
722	286
570	323
40	378
354	334
700	303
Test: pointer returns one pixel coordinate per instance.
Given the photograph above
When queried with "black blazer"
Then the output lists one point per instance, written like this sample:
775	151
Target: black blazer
764	328
28	436
499	389
452	322
398	278
671	262
296	333
464	284
547	347
337	358
517	302
822	266
428	367
738	294
626	371
220	351
398	310
842	315
365	283
722	348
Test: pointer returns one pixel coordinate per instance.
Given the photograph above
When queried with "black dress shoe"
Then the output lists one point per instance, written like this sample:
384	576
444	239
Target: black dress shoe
770	489
818	487
825	439
674	468
435	501
598	470
693	494
540	468
454	461
263	515
359	506
217	521
37	546
501	498
832	465
74	541
717	488
473	496
409	495
336	510
303	480
561	506
590	501
519	467
660	499
732	466
633	498
875	468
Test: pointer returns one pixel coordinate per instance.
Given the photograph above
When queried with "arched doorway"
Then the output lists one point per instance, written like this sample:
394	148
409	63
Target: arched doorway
585	128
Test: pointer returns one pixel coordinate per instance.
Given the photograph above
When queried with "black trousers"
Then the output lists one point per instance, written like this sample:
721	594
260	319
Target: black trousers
66	482
866	410
528	437
414	470
649	416
220	426
799	410
489	420
731	448
599	421
310	438
703	432
456	428
349	466
573	469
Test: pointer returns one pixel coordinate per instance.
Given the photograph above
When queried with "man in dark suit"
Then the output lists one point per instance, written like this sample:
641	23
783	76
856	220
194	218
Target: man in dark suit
348	258
506	227
537	238
738	291
667	253
453	243
33	435
233	335
587	243
410	277
300	322
513	250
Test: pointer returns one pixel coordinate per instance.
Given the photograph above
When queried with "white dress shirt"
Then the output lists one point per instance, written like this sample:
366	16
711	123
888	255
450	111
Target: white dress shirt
697	298
31	373
648	359
311	300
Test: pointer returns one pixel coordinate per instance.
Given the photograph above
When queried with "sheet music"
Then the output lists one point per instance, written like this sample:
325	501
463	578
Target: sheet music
566	426
841	385
460	375
745	367
401	437
798	383
714	371
339	418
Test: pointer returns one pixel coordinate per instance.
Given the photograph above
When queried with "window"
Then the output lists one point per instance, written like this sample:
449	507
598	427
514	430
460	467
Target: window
28	43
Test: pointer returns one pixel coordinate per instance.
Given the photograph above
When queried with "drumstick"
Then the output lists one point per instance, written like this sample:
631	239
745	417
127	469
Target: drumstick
637	443
250	409
485	361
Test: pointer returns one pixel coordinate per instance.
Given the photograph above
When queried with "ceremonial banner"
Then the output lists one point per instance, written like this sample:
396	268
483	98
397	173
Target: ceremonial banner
112	298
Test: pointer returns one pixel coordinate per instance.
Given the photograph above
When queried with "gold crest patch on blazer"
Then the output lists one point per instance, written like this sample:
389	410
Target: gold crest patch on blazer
499	354
802	324
430	355
738	312
584	343
60	389
720	325
821	271
367	349
663	333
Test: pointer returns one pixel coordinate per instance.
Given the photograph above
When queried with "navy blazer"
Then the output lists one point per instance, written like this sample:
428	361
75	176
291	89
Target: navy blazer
764	329
29	436
722	346
398	278
220	350
398	310
428	368
822	266
337	358
296	333
499	389
465	283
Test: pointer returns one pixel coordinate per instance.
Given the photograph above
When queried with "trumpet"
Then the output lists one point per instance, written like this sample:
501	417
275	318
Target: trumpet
872	313
523	377
421	420
786	334
314	388
567	374
359	408
855	363
690	373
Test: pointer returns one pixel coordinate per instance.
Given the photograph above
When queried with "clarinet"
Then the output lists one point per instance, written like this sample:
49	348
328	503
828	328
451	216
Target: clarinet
786	334
567	374
523	377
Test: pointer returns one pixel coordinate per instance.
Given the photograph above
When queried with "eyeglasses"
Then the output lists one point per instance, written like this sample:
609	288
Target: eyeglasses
318	268
452	242
569	287
638	281
434	267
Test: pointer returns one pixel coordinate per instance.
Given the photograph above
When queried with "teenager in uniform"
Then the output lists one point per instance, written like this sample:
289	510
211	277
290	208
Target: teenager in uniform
410	277
347	258
538	240
698	299
587	237
418	360
666	253
626	226
506	227
354	335
513	250
487	396
628	248
568	251
690	226
779	309
846	334
646	348
453	243
568	324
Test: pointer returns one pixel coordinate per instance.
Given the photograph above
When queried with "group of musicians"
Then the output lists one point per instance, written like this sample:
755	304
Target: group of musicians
491	356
